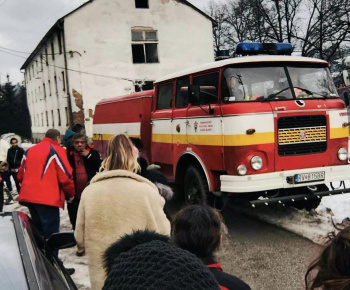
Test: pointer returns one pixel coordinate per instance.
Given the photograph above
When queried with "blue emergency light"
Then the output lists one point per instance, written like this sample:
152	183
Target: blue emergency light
254	48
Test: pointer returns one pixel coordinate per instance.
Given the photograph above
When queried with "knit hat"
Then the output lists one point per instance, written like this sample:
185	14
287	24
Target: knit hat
156	264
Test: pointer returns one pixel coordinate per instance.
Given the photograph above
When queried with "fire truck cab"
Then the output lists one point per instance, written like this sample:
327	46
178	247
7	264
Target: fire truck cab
270	125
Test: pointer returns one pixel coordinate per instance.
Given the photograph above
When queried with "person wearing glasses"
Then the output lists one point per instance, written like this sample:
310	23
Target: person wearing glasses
14	159
85	162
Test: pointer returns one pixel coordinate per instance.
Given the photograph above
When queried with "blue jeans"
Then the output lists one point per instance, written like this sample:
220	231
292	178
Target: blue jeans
45	218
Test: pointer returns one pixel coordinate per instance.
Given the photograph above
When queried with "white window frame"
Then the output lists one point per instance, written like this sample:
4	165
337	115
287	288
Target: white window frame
143	42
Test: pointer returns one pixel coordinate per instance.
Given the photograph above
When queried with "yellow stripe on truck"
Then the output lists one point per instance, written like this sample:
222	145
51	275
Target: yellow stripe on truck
216	140
254	139
339	133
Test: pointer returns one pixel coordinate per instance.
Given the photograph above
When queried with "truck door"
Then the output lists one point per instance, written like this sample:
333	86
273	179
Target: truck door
162	143
204	122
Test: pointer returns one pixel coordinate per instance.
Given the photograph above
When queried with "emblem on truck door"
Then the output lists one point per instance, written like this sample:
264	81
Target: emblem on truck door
195	126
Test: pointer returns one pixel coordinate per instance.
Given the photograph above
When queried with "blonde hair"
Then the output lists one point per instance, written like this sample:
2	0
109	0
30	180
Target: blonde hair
121	154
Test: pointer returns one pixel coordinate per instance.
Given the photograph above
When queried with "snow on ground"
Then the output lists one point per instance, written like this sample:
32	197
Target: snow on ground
339	204
314	225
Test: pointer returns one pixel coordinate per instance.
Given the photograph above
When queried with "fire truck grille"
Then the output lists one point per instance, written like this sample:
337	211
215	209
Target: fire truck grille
302	135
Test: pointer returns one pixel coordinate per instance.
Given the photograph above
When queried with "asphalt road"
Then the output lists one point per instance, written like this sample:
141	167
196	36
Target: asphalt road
264	256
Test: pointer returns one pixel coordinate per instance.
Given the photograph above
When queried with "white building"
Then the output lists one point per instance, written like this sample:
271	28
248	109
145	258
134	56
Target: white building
103	48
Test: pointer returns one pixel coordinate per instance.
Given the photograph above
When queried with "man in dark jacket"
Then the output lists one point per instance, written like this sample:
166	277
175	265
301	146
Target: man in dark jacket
85	162
14	159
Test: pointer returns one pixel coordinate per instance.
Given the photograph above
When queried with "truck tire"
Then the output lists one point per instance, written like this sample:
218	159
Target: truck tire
195	186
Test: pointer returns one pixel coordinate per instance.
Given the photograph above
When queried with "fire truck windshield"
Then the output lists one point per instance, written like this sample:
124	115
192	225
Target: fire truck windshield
265	83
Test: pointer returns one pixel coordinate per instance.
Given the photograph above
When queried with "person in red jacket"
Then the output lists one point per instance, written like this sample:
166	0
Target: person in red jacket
46	182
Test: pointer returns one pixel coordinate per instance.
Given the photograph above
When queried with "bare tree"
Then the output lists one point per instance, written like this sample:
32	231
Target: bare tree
220	29
327	29
318	28
245	22
281	18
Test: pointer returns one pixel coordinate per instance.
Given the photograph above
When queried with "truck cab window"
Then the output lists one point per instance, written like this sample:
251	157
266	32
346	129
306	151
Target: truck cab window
266	83
182	92
208	85
165	96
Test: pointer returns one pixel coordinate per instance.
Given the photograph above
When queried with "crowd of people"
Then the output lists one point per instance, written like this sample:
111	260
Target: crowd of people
116	208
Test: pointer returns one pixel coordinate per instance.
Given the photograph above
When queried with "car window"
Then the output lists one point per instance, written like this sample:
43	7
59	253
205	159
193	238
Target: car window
46	267
55	273
12	275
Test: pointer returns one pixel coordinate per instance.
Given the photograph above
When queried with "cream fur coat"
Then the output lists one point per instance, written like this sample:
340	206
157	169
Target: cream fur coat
116	203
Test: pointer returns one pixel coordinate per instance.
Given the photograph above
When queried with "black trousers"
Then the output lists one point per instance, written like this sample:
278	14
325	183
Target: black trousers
73	211
14	175
6	177
45	218
1	195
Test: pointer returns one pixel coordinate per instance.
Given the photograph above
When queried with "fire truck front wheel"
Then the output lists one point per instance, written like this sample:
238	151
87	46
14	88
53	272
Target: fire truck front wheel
195	186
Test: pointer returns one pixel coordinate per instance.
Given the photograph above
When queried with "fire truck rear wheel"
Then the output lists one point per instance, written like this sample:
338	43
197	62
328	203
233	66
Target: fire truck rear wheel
195	186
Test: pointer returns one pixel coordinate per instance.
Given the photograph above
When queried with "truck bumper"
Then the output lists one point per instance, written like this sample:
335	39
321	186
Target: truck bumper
276	180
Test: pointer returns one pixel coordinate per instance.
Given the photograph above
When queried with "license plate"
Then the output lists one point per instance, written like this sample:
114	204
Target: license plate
307	177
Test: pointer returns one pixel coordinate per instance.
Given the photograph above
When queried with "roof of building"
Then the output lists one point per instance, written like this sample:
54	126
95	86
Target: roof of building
59	22
245	60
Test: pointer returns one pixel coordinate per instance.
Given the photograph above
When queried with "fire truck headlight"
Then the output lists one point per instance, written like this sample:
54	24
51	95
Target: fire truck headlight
256	162
242	170
342	154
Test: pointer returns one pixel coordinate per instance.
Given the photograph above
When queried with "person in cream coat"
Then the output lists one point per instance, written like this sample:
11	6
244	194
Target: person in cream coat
118	201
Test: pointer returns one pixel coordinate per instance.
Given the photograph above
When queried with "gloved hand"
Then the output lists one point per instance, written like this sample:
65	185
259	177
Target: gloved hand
153	166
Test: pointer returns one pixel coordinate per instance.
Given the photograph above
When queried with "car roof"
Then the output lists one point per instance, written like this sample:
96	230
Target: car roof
12	275
243	60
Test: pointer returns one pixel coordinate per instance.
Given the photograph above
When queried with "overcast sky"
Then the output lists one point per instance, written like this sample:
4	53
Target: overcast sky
23	23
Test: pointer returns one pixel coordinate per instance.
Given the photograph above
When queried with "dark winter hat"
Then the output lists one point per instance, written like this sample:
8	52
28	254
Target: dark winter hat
157	264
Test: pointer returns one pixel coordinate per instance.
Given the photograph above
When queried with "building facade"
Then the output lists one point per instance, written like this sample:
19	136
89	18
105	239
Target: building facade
108	48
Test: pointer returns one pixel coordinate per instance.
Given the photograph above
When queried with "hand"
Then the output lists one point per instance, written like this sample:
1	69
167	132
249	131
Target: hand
13	170
84	153
70	199
153	166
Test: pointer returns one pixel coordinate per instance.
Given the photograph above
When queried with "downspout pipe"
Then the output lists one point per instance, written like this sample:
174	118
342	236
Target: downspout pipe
60	25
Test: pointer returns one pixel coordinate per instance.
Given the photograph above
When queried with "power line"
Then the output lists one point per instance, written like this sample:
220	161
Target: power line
14	50
3	3
73	70
1	47
12	54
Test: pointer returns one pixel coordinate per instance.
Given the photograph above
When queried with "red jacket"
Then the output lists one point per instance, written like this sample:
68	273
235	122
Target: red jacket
45	175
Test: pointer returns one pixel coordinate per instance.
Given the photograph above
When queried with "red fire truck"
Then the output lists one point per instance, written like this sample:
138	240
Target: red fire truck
261	125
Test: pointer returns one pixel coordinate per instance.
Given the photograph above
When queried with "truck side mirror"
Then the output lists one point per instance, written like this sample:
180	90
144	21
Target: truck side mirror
193	94
346	98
